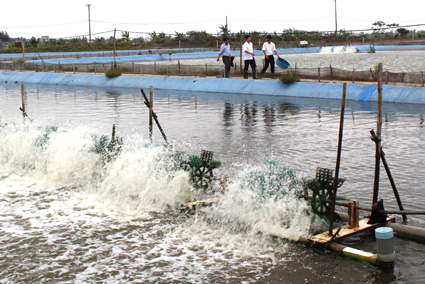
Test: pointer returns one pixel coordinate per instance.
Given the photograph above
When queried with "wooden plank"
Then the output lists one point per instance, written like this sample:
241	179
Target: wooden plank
193	205
324	238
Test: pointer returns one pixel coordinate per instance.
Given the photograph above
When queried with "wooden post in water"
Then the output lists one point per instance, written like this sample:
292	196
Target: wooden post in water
154	66
23	100
318	74
378	137
178	64
147	103
353	75
390	177
330	68
73	68
386	77
338	158
402	77
151	113
422	76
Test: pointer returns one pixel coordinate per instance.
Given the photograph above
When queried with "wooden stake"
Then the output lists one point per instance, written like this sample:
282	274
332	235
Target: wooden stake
378	135
318	74
422	75
330	68
147	103
178	63
151	113
353	76
386	77
390	177
338	158
23	100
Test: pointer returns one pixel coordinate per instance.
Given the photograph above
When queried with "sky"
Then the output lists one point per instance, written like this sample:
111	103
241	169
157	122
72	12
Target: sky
61	19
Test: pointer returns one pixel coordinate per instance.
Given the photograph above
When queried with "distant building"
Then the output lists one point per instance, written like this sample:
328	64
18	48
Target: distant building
303	43
4	45
44	39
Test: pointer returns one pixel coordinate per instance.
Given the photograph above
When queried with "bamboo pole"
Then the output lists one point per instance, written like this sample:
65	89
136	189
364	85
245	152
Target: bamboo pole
151	113
378	137
23	100
338	158
147	103
390	177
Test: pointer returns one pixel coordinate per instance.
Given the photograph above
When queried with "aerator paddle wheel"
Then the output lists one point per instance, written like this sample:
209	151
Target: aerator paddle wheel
201	169
321	188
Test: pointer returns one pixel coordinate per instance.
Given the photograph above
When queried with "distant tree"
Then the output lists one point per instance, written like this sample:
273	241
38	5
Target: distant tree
179	36
33	42
198	35
163	36
224	30
52	42
402	32
61	41
75	41
4	36
153	36
126	36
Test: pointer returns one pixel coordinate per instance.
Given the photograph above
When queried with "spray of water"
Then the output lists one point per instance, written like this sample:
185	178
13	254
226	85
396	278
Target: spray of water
141	178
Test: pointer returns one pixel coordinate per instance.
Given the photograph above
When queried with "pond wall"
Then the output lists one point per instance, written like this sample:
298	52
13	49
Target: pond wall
396	94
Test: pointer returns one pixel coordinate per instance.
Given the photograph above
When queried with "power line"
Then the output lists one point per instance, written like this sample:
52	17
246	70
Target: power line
154	24
43	26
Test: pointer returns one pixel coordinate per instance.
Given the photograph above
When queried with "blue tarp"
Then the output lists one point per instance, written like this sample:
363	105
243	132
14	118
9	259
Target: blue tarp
108	52
187	55
397	94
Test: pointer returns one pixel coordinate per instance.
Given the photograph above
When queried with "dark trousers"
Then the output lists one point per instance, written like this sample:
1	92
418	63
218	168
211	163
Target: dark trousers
248	63
270	61
226	61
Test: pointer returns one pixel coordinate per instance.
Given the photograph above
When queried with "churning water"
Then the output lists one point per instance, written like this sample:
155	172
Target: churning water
67	217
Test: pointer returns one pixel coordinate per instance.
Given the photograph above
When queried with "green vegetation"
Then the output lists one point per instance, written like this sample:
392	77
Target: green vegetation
211	73
289	78
162	71
379	31
112	73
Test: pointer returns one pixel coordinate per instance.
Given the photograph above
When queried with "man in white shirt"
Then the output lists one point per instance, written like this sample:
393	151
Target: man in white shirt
268	49
225	53
248	57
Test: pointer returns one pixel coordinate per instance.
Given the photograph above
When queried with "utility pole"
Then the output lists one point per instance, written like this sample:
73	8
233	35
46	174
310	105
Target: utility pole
88	6
336	22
